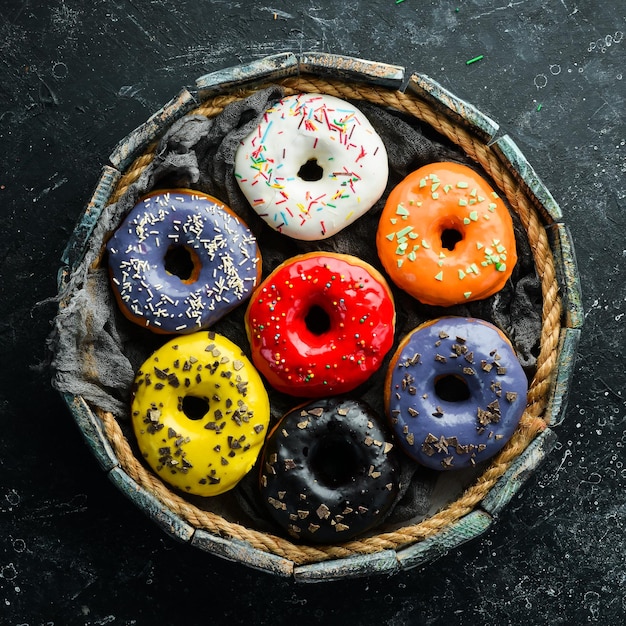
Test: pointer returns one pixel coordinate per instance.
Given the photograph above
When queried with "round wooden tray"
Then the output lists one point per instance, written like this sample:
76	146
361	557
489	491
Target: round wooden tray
478	137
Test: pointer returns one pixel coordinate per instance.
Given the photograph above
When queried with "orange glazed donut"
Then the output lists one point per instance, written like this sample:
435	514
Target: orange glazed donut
445	236
320	324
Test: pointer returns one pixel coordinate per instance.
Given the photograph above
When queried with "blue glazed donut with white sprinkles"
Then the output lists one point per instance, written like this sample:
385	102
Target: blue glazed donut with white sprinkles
181	260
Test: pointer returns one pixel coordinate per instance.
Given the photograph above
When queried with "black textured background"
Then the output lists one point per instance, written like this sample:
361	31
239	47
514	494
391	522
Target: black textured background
75	77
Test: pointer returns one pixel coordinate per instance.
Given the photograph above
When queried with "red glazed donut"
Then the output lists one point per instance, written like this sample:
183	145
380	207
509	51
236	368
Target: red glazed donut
320	324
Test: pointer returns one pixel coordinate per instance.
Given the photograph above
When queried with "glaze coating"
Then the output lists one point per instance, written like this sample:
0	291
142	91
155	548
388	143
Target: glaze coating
445	236
328	471
320	324
200	413
313	165
181	260
454	392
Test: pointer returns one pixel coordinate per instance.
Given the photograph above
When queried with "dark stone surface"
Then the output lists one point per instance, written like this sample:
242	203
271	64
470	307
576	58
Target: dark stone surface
77	77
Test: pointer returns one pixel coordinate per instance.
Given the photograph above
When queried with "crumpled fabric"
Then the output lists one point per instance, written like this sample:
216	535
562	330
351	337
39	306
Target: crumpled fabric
97	350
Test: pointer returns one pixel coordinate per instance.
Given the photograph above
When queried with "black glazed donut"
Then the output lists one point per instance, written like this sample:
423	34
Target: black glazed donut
328	472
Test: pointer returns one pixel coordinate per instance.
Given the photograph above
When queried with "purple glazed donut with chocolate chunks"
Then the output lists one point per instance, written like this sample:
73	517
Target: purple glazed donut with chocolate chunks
328	471
180	261
454	392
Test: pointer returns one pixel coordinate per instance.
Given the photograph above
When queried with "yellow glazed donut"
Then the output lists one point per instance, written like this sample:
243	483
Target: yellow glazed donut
200	413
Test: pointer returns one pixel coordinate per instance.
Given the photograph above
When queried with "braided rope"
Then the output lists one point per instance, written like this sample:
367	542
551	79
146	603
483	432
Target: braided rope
531	423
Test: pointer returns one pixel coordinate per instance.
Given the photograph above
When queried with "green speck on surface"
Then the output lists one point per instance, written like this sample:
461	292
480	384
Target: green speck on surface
405	231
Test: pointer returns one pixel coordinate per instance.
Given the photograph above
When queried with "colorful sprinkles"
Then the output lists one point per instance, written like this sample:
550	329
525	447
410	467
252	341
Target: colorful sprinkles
475	59
287	168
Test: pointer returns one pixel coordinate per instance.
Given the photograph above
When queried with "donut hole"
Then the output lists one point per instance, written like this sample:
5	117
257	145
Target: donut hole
317	320
183	262
334	460
450	237
195	408
452	388
311	171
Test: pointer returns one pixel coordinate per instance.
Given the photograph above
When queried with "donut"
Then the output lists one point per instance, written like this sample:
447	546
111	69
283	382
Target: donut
328	471
454	392
312	166
180	261
200	413
320	324
445	237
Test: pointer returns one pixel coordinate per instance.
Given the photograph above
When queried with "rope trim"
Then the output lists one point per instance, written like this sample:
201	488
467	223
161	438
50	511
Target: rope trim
532	422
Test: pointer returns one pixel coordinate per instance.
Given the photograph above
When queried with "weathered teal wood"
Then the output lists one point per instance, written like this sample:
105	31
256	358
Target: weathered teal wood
450	105
351	69
63	276
519	166
467	528
563	375
127	150
241	552
92	430
77	244
520	471
568	276
384	562
267	69
156	511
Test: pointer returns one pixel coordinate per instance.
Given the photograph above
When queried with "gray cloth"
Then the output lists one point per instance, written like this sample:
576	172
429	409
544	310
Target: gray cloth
97	350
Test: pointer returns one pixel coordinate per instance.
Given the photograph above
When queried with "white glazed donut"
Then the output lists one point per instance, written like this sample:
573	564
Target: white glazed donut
312	166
